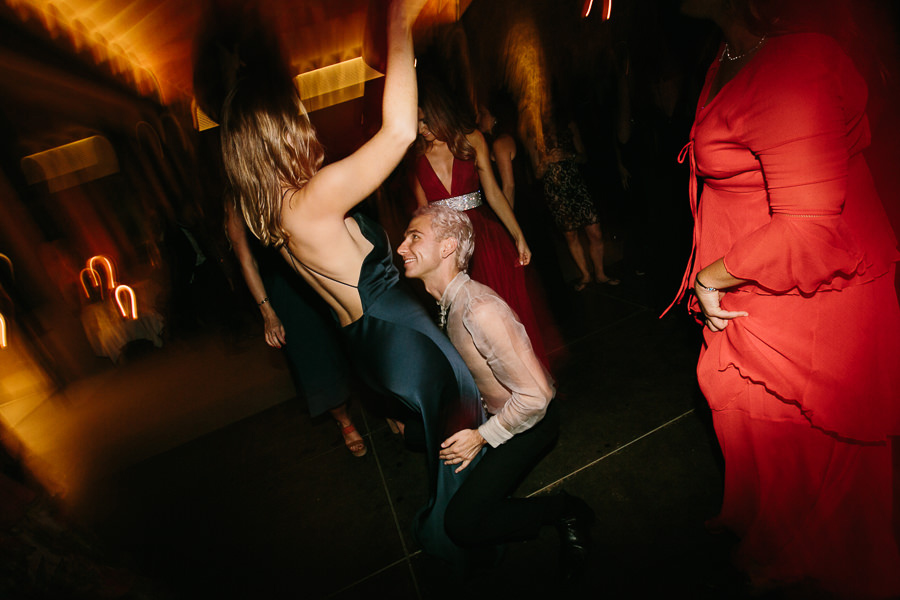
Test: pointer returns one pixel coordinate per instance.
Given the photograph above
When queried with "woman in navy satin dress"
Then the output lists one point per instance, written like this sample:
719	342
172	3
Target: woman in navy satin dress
273	160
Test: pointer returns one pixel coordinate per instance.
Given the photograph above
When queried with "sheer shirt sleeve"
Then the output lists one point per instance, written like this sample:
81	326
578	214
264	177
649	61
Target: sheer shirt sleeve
501	340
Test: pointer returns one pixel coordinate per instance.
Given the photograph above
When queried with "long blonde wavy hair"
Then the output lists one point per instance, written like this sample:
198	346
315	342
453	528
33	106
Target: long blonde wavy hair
267	142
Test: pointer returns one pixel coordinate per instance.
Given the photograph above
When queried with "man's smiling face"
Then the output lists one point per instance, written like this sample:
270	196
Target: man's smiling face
420	250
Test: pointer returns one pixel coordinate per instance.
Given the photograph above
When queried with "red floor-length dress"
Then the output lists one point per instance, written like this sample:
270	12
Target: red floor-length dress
495	261
804	391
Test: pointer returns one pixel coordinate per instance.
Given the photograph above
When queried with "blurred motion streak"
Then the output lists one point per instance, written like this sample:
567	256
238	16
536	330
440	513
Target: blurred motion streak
588	5
607	9
3	343
71	164
334	84
101	32
124	289
8	262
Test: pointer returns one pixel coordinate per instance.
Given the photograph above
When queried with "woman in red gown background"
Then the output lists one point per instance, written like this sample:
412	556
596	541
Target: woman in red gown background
793	275
452	166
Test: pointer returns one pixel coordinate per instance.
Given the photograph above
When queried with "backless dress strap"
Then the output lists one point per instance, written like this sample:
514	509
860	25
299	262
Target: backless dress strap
295	260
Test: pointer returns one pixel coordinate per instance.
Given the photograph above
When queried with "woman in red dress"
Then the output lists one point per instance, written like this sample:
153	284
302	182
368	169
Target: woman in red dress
793	275
453	168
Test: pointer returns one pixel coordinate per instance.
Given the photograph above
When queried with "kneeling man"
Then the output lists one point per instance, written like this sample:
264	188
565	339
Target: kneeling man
516	390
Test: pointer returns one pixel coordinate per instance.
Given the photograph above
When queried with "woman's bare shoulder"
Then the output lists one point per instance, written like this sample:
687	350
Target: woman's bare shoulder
476	138
505	144
308	212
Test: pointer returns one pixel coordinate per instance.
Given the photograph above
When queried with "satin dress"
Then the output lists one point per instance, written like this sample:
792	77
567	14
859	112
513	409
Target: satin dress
400	352
804	391
317	362
495	260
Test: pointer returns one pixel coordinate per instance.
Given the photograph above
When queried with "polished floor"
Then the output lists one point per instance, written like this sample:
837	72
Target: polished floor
199	471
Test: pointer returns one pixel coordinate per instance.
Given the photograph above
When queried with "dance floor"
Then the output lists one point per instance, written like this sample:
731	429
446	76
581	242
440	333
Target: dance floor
197	472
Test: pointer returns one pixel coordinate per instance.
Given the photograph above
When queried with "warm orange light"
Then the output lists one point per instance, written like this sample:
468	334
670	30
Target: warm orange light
95	280
607	9
5	259
108	267
2	332
127	291
201	120
103	30
71	164
334	84
586	10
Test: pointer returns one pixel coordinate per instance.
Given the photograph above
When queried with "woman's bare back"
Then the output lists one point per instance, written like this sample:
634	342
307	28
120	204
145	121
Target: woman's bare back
327	251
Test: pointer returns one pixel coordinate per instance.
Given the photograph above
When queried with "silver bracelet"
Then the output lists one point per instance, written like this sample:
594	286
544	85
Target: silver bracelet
263	301
705	287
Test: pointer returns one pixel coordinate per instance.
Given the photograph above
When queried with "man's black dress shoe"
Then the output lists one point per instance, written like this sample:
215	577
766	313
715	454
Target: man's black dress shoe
574	527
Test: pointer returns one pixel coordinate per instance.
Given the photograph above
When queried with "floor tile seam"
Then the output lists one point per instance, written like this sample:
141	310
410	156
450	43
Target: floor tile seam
624	300
379	572
406	554
602	329
336	447
551	485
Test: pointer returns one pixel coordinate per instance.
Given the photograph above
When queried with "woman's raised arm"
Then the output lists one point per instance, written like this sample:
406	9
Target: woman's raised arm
343	184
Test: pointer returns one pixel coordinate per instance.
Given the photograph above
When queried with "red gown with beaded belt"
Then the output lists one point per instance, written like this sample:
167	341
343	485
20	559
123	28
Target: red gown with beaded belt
495	260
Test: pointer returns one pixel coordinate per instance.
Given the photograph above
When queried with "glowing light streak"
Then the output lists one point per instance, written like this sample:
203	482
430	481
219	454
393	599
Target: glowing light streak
588	4
607	9
108	267
95	280
3	343
71	164
102	29
122	308
335	83
6	259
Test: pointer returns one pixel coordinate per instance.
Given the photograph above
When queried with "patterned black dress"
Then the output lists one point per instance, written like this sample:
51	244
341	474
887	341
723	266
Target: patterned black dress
566	193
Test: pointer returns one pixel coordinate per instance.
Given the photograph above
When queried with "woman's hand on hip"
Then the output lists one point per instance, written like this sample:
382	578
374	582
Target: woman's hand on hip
716	318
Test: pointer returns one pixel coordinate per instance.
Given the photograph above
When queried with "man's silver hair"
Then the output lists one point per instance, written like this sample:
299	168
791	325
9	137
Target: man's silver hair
449	223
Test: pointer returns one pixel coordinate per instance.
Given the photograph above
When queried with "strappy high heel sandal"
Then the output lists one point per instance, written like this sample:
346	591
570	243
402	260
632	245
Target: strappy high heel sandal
356	447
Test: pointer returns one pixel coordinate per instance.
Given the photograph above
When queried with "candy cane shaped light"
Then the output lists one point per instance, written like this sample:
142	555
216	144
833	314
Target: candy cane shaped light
586	9
95	280
107	266
3	342
607	9
124	290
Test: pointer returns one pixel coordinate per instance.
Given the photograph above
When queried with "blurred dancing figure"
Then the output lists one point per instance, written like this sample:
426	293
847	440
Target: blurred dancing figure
574	210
